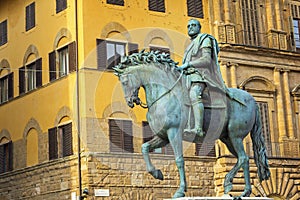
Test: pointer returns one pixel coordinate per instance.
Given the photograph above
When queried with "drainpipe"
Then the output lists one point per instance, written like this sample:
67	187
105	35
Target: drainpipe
78	103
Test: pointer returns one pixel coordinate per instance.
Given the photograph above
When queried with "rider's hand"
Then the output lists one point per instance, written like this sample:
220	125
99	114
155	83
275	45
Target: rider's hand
182	67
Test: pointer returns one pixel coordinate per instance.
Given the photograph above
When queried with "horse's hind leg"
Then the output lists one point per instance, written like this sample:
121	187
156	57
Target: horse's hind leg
243	162
175	139
155	143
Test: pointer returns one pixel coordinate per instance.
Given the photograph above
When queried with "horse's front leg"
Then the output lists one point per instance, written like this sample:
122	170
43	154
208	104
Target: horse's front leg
175	139
149	146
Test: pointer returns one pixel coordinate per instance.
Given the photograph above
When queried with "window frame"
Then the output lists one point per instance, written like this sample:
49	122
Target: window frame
157	5
265	122
115	2
30	16
60	141
102	60
55	64
61	5
120	136
6	157
33	68
193	7
3	32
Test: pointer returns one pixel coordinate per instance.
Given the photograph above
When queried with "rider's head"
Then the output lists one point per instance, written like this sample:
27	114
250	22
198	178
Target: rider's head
194	28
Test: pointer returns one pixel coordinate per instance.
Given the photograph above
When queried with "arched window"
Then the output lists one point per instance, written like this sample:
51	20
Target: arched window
6	82
62	60
6	155
30	75
60	139
263	91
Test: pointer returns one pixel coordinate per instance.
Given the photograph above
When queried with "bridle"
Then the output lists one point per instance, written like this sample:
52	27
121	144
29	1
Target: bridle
138	101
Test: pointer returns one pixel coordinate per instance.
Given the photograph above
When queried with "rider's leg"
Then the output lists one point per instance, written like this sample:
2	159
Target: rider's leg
196	91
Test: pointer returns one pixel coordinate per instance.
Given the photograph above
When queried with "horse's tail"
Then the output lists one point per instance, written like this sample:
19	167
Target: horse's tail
259	148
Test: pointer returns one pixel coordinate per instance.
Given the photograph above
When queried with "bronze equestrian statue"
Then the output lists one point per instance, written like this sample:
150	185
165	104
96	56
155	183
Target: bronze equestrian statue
229	114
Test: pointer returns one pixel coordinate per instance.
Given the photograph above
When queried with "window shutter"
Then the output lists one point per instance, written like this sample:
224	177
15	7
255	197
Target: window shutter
156	5
61	5
2	158
206	149
52	66
116	2
10	156
38	65
11	85
30	16
115	135
101	54
52	142
195	8
72	56
127	134
22	84
67	140
3	32
133	48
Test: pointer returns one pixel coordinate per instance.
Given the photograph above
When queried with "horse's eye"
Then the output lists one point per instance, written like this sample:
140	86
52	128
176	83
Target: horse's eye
125	82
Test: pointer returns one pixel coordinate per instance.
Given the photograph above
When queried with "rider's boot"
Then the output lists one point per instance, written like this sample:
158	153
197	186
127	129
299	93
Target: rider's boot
198	110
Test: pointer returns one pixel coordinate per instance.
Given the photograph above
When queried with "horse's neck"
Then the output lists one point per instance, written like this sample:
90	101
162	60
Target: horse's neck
155	83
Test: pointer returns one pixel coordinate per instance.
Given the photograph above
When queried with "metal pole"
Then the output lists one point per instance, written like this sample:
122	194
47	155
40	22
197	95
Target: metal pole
78	103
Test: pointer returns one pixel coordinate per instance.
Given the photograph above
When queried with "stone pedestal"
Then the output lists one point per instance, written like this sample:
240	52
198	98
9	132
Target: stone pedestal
221	198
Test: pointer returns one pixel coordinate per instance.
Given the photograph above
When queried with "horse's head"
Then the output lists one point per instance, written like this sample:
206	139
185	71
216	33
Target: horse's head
127	71
130	86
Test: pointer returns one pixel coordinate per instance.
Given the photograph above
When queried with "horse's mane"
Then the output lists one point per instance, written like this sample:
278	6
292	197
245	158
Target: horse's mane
142	57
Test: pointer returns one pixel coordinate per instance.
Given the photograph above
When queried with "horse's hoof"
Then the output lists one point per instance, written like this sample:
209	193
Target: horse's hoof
178	194
157	174
237	198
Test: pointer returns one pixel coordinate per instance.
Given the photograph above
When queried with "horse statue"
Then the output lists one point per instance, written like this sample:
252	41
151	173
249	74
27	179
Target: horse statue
169	113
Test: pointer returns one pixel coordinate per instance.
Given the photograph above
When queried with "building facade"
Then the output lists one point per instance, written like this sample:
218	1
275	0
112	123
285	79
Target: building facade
64	123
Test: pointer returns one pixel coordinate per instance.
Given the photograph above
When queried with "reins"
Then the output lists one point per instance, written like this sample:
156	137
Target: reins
144	105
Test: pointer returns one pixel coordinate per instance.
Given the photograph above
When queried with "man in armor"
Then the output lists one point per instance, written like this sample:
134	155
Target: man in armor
200	64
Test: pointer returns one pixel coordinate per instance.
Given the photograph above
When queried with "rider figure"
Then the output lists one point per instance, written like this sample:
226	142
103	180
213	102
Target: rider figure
200	64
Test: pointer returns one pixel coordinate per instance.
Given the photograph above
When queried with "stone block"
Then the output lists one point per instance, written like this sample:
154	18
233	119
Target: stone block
221	198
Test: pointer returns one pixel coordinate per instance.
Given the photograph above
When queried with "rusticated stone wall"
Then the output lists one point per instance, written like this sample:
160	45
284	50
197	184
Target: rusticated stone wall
51	180
284	182
126	178
123	174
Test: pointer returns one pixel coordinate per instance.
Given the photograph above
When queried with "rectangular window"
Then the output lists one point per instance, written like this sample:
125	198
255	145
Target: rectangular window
296	28
251	31
6	87
63	55
60	141
66	61
264	114
206	149
195	8
30	76
110	52
6	157
3	32
30	16
120	135
116	2
61	5
156	5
